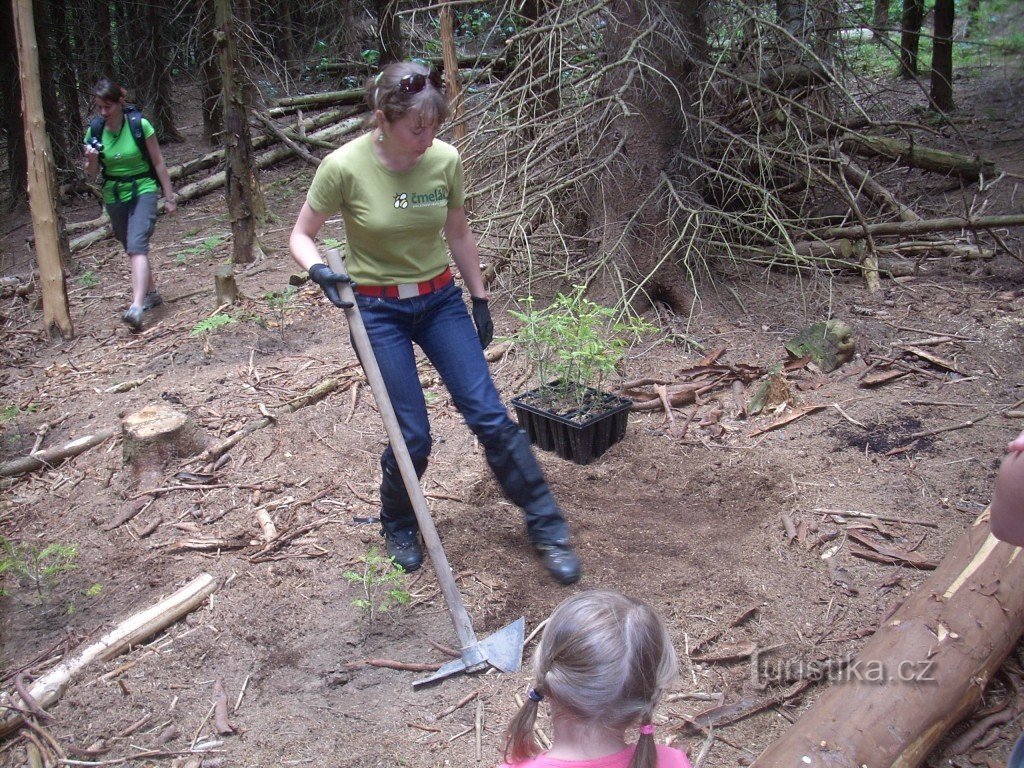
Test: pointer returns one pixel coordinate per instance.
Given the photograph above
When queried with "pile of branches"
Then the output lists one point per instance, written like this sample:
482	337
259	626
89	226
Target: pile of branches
761	126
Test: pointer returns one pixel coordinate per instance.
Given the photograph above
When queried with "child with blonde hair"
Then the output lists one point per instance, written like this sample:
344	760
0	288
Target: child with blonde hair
603	664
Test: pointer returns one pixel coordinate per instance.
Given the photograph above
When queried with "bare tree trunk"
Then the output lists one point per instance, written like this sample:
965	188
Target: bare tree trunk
389	32
63	16
973	8
17	168
941	95
635	227
160	83
51	244
913	13
285	40
241	179
100	61
793	17
56	125
246	42
209	82
880	19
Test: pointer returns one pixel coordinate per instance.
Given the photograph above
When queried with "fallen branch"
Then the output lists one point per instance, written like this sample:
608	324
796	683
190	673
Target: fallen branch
52	456
871	516
408	666
924	226
917	156
940	430
47	689
312	395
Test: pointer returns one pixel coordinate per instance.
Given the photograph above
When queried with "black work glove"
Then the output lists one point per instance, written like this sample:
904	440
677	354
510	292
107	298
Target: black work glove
328	280
482	319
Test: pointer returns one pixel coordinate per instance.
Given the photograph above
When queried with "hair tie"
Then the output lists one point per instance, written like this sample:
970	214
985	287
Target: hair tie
535	695
647	730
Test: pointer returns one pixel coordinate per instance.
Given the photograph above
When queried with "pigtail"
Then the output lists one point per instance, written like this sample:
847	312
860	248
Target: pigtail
646	753
520	742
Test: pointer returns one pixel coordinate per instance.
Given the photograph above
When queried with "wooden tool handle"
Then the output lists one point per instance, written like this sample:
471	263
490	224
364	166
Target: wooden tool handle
445	578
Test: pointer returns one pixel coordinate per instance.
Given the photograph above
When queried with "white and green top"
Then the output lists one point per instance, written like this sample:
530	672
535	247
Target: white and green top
393	220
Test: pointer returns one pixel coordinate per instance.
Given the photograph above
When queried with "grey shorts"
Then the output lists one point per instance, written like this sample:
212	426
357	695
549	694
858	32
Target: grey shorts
133	222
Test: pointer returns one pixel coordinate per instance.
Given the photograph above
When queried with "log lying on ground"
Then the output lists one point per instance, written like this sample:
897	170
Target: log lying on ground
922	227
787	77
129	633
464	61
350	96
917	156
54	455
923	671
846	253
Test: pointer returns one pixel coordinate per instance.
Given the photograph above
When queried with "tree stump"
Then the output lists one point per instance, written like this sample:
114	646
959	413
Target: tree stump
227	288
155	436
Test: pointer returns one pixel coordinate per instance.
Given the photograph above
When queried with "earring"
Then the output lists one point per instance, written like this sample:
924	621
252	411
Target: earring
380	137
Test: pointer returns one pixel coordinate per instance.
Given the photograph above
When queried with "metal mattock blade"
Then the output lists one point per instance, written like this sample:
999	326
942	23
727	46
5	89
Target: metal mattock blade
446	670
504	649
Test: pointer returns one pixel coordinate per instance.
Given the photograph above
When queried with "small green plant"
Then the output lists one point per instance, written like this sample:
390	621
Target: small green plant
205	247
575	343
9	412
39	568
370	57
380	582
210	324
280	302
89	279
330	242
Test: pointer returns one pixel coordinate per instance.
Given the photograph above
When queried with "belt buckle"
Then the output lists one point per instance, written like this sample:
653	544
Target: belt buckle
408	290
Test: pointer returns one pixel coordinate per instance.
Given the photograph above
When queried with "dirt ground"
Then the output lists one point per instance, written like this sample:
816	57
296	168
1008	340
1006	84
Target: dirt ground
694	525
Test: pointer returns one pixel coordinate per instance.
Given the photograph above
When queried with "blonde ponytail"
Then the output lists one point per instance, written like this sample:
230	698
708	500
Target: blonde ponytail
520	742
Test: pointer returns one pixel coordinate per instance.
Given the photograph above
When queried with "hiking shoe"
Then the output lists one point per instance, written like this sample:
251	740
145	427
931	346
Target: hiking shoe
133	317
152	299
561	562
404	548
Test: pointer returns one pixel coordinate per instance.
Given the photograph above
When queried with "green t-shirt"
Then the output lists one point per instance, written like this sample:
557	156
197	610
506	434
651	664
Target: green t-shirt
122	157
393	221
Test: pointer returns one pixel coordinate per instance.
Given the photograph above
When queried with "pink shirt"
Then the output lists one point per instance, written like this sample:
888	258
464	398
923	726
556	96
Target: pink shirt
667	758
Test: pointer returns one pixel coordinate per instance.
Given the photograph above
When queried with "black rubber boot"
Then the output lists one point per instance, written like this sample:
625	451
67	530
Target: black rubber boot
397	518
521	478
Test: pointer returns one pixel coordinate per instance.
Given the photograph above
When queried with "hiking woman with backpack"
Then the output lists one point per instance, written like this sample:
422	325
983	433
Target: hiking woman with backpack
133	167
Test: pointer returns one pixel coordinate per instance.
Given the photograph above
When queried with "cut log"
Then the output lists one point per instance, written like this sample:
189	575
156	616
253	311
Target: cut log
923	671
925	158
155	436
129	633
788	77
351	96
53	456
922	227
227	286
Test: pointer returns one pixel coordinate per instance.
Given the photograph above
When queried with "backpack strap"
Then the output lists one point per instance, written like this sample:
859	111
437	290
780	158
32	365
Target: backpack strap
96	132
134	117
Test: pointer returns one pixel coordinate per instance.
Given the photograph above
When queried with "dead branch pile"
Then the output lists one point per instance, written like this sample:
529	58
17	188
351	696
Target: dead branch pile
762	123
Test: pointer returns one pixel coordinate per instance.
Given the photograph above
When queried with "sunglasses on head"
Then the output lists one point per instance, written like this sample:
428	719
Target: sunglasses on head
417	82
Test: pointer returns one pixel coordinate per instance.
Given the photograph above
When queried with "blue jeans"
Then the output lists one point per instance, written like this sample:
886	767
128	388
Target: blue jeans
441	326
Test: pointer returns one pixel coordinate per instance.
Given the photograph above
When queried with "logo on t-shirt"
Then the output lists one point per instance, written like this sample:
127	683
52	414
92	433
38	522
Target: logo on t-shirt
437	197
